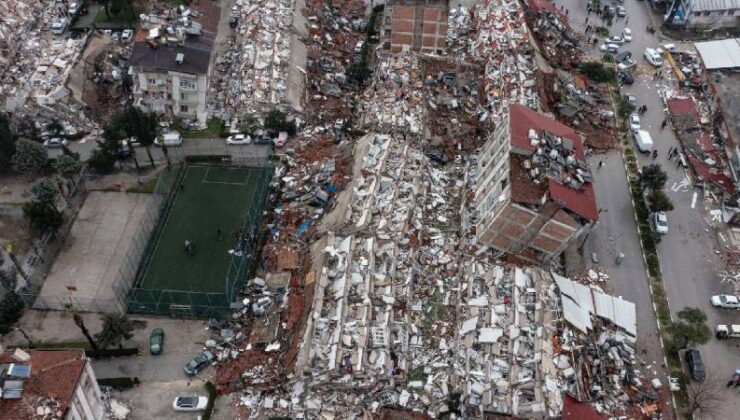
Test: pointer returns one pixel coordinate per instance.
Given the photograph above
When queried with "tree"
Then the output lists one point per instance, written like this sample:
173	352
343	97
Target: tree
116	328
653	177
705	397
278	121
658	200
690	329
7	144
43	217
116	7
29	156
55	128
249	125
45	191
67	166
81	325
11	309
133	123
101	161
597	72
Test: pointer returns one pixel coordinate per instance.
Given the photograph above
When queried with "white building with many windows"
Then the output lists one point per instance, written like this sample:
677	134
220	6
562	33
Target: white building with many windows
705	14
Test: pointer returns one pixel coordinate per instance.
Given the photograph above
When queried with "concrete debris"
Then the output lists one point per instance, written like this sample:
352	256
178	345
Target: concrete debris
118	410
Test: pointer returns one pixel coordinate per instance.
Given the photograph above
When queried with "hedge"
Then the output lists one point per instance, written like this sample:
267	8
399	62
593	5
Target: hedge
121	384
98	354
211	389
207	158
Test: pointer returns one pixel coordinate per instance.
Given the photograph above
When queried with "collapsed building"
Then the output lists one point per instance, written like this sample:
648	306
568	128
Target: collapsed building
535	192
171	58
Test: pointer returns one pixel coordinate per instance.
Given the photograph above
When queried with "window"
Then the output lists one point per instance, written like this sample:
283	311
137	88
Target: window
721	12
187	84
707	13
183	108
183	96
152	81
504	183
731	12
697	13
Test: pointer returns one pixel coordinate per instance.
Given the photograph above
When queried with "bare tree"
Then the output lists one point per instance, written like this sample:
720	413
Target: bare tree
705	397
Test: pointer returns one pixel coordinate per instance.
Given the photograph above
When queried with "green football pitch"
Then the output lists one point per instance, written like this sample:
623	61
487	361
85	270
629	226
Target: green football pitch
209	209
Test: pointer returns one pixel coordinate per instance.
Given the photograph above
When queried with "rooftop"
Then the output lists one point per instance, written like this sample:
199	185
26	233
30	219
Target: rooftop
684	107
727	86
720	54
548	156
54	375
182	45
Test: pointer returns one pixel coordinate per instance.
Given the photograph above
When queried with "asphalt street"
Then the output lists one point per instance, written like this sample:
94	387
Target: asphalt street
189	147
688	256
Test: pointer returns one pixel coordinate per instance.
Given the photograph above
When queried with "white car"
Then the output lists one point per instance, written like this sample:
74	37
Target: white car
610	48
74	8
614	40
190	403
238	139
127	35
726	301
653	57
634	122
627	64
55	143
627	35
621	11
661	222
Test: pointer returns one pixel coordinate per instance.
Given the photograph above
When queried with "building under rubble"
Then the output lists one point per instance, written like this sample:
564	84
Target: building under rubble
535	193
417	25
170	61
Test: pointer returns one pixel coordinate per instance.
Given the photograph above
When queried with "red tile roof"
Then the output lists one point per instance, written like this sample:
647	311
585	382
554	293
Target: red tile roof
684	106
54	375
544	5
581	202
521	119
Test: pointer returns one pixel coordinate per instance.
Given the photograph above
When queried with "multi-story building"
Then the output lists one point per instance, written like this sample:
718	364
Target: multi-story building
704	14
59	382
417	25
170	64
534	193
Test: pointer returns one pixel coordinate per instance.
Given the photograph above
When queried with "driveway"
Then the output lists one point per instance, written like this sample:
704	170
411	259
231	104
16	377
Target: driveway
687	253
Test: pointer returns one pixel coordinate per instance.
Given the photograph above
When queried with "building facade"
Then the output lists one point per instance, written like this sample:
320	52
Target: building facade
534	195
417	25
170	64
61	380
704	14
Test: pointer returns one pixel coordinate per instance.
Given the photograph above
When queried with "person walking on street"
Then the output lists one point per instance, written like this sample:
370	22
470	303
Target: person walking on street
626	21
663	124
601	163
586	19
655	154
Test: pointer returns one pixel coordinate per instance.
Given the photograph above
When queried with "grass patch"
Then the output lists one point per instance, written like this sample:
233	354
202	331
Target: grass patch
213	129
146	188
602	31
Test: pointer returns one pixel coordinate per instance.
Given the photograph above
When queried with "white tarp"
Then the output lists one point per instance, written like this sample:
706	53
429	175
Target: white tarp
721	54
575	315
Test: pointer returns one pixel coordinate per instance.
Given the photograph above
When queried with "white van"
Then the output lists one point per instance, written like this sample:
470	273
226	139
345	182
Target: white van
644	141
173	138
653	57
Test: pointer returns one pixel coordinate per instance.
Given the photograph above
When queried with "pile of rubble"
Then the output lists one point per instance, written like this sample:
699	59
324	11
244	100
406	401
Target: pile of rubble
18	18
252	76
559	44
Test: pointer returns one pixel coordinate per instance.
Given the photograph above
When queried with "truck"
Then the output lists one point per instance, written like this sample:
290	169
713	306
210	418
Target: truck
723	332
644	141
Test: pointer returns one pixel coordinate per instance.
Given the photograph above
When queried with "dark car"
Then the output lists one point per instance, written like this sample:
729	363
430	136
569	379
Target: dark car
233	22
624	55
199	362
437	156
624	77
696	366
156	340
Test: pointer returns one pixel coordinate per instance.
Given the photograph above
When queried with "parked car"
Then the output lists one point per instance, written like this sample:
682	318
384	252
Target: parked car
173	138
634	122
625	77
627	34
238	139
58	27
621	11
630	98
281	139
653	57
190	403
614	40
55	143
695	364
156	341
723	332
666	47
437	156
660	219
199	362
609	48
627	64
74	8
233	22
726	301
358	46
624	55
127	35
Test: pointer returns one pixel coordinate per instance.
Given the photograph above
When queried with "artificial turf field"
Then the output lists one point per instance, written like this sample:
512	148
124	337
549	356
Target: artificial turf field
211	198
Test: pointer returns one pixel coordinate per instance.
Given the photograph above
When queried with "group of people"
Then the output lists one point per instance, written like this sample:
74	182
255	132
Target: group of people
641	110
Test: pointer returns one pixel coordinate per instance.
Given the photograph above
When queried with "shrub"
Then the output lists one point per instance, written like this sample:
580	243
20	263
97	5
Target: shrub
597	72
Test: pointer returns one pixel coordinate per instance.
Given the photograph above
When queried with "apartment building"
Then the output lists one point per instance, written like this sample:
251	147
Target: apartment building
704	14
170	63
58	382
534	194
417	25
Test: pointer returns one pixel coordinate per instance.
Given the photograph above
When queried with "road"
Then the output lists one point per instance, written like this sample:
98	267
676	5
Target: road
189	147
687	253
